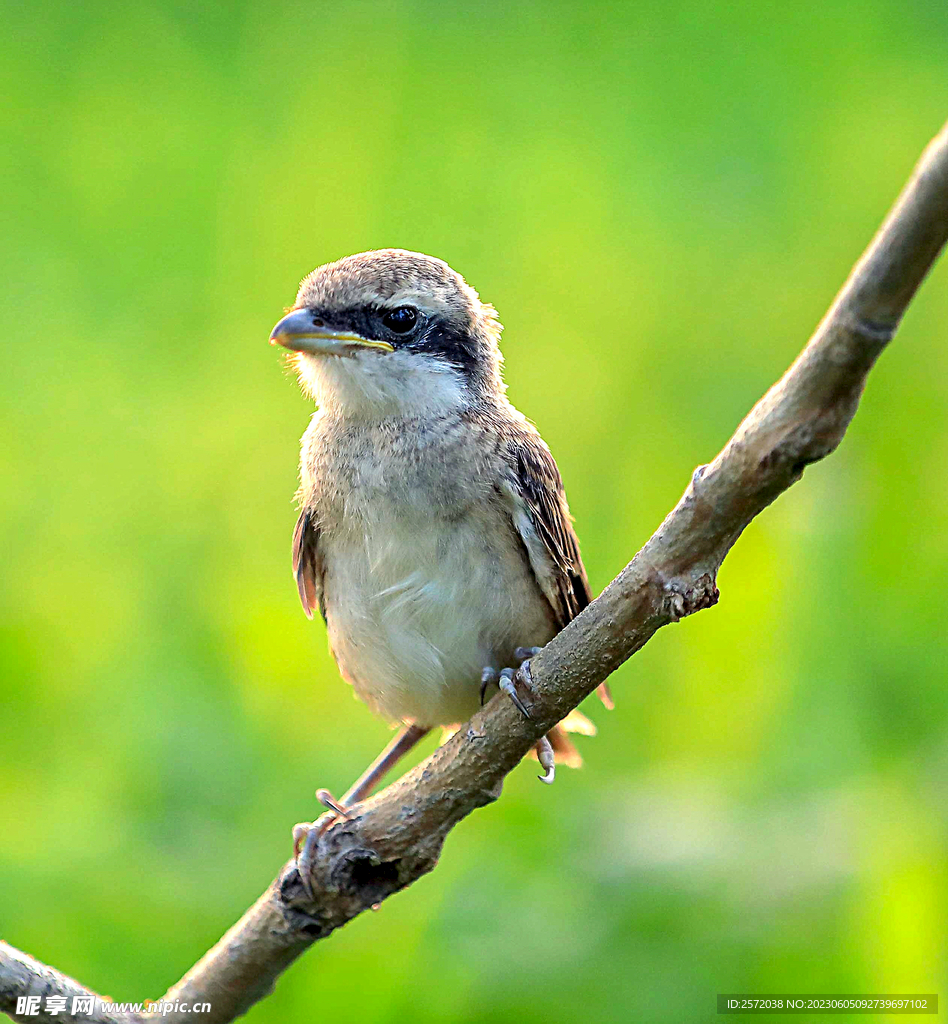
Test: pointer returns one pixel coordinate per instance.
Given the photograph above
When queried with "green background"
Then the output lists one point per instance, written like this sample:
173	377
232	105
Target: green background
661	199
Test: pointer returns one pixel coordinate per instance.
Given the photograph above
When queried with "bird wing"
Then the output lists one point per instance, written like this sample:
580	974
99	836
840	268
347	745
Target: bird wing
541	517
308	564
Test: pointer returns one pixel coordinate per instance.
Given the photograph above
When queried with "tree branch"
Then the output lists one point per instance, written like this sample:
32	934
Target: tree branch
22	977
396	837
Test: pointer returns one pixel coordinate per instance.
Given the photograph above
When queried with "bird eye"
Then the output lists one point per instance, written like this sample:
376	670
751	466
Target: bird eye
400	320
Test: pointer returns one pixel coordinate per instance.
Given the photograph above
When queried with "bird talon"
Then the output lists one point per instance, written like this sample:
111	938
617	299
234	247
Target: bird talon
508	685
306	836
300	831
329	801
306	854
488	676
525	675
506	679
547	761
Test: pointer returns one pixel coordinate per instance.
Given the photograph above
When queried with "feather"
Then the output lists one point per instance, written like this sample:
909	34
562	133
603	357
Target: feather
307	564
550	540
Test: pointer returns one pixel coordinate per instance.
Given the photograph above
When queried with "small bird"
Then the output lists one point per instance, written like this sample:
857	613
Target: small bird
434	535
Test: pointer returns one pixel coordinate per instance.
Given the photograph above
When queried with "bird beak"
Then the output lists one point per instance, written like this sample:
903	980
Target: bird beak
296	331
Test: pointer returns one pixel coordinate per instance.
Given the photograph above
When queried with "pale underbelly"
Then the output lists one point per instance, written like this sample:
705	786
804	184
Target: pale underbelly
414	617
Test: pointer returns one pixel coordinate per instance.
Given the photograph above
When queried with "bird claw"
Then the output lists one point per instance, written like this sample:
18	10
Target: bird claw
329	802
488	676
300	831
507	678
547	760
508	684
305	840
306	836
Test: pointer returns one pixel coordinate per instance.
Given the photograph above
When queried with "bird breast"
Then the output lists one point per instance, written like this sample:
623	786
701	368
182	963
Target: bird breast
426	581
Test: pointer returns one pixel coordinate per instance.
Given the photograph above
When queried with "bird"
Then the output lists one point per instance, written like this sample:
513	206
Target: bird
434	535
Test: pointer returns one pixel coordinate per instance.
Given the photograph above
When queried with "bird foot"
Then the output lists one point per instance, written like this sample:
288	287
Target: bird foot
306	836
508	684
547	761
507	678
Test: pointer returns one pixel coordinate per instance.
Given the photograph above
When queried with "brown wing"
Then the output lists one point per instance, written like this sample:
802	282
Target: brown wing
540	488
307	564
553	549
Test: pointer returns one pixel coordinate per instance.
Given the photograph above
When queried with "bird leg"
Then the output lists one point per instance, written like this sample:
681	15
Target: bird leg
306	834
406	738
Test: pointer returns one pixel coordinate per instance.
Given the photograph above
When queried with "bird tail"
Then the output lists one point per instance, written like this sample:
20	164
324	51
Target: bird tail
605	695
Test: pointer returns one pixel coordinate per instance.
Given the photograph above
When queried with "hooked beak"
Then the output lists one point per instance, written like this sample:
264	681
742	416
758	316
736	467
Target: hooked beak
298	332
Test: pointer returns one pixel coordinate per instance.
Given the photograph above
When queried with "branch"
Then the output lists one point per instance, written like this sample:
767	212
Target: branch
397	836
22	977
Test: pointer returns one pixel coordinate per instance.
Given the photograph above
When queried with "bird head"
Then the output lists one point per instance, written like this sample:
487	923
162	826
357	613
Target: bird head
391	332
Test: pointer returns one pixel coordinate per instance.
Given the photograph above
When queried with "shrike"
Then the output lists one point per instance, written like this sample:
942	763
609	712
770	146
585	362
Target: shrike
434	536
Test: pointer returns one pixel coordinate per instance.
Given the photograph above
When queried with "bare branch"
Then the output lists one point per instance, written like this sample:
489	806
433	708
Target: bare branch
22	977
397	836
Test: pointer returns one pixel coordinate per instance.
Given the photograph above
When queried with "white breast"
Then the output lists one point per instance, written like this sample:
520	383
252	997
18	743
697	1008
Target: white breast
418	605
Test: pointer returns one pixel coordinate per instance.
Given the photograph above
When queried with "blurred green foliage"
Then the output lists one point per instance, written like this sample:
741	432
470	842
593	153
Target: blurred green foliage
661	199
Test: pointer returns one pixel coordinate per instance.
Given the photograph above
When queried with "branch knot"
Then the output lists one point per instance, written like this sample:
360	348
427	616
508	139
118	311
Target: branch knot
681	599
